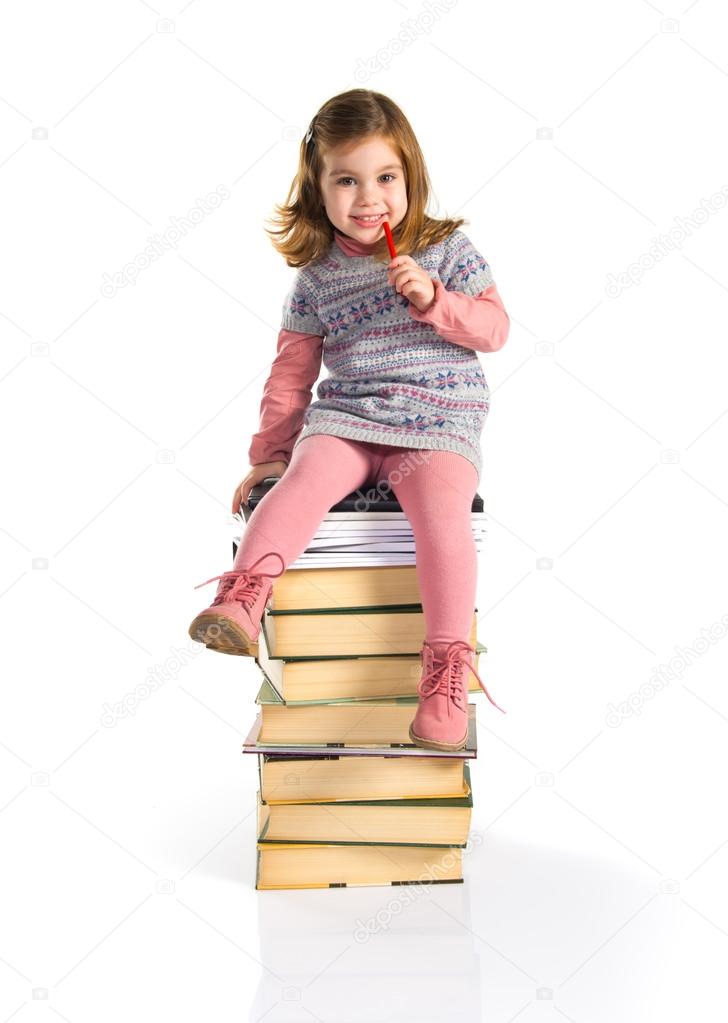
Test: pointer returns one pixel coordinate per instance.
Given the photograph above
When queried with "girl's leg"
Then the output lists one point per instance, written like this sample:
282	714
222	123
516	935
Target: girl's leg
322	471
436	496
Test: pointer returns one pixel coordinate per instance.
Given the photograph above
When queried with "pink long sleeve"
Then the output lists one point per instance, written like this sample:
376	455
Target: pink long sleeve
479	321
286	396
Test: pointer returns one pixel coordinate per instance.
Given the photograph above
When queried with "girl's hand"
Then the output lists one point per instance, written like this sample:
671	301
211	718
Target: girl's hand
412	281
256	475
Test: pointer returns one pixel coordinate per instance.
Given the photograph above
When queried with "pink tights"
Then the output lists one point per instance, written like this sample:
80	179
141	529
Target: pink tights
435	490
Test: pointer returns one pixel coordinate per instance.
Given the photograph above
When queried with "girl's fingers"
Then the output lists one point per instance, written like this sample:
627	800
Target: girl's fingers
406	274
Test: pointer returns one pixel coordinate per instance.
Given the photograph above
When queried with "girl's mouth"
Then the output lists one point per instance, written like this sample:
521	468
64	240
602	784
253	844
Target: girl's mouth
370	221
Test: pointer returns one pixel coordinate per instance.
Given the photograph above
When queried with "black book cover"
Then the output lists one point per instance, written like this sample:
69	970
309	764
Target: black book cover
366	499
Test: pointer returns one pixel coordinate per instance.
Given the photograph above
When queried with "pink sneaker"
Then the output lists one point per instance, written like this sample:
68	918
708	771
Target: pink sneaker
441	721
231	624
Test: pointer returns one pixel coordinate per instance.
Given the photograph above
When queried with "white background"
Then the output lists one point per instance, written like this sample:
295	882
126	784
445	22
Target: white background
571	136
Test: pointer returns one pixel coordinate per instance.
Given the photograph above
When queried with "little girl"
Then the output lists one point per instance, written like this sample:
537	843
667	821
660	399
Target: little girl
399	338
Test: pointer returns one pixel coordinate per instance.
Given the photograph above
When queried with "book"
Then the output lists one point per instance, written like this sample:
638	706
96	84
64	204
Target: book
302	778
443	820
363	540
374	729
351	631
321	865
370	500
341	586
364	529
298	680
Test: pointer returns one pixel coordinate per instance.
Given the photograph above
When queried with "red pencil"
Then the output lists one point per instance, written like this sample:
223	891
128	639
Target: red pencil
390	240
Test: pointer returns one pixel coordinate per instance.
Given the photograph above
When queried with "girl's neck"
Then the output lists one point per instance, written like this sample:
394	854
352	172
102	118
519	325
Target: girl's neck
352	246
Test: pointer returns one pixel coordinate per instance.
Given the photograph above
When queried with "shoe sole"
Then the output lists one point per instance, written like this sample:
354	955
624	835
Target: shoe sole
224	635
449	747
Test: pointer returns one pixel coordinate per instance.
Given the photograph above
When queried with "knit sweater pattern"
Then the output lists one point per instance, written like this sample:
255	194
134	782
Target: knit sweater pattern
392	379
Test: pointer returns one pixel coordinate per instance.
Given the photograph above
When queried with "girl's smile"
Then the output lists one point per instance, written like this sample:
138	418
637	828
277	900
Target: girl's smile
363	185
369	221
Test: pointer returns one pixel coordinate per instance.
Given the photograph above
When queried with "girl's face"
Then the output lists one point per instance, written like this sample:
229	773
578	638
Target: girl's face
363	181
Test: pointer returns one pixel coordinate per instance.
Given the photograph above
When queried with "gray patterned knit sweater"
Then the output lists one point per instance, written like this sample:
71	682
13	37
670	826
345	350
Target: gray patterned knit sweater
393	379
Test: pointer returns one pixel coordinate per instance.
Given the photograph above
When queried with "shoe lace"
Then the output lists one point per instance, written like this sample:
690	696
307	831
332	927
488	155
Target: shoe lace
242	584
447	676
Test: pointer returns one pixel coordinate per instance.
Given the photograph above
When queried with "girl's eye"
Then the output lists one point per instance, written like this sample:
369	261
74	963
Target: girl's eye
341	180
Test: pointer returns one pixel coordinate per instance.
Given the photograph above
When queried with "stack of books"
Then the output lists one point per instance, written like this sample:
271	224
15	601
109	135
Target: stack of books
345	798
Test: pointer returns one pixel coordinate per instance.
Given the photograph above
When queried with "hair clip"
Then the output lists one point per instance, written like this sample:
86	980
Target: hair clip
309	133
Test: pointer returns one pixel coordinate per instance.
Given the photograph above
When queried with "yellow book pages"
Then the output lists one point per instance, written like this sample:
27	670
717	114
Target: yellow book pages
427	822
346	587
294	779
341	729
357	633
324	866
353	723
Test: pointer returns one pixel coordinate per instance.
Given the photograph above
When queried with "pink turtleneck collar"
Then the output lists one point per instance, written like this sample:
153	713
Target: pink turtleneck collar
352	247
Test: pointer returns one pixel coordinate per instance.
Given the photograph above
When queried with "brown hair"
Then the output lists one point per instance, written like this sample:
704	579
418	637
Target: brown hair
305	232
